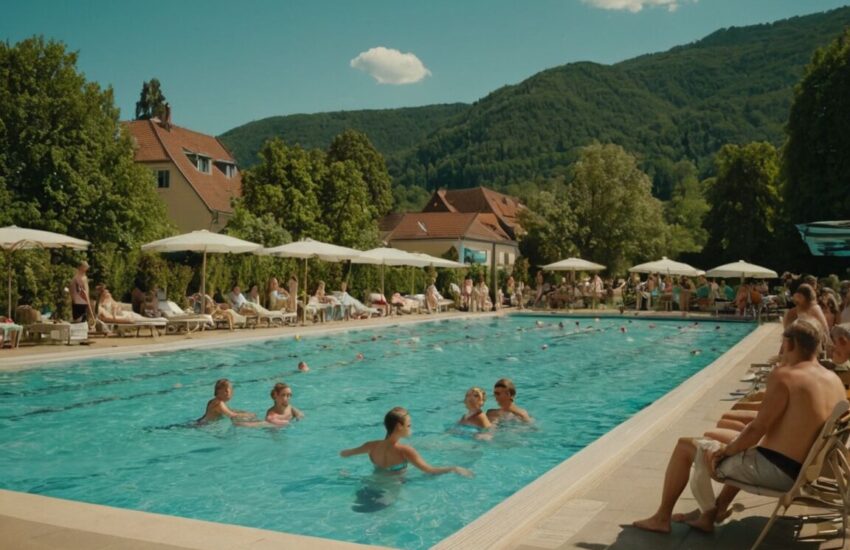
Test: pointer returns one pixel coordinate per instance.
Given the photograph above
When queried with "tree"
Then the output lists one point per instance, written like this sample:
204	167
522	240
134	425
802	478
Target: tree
617	220
550	225
816	158
743	203
151	101
355	146
686	210
284	186
66	164
346	211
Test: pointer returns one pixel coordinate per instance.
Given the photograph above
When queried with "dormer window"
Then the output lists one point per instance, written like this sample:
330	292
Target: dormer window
227	168
200	161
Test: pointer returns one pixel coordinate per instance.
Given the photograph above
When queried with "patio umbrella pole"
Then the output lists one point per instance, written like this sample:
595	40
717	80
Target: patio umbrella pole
204	282
304	309
9	288
382	282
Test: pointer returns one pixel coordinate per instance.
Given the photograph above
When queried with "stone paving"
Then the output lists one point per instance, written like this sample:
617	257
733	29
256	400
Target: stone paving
600	517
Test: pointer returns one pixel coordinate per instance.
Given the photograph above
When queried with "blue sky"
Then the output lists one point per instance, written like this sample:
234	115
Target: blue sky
225	63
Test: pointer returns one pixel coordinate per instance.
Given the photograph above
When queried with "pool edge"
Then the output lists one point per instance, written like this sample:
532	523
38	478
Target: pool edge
503	525
514	518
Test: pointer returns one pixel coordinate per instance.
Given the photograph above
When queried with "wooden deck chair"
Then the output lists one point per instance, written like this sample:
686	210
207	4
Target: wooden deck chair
826	441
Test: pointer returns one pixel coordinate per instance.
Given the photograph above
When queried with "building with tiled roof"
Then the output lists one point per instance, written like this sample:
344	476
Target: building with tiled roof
196	175
479	199
478	237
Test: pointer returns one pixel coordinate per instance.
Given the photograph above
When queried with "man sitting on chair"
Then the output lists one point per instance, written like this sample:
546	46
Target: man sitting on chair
769	452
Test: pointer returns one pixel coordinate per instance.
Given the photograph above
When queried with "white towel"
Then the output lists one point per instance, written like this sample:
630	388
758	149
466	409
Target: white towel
701	478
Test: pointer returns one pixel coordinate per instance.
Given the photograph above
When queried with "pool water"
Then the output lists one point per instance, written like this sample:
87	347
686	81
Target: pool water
119	432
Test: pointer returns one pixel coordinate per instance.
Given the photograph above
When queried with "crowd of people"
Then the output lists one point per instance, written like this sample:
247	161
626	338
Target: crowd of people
765	438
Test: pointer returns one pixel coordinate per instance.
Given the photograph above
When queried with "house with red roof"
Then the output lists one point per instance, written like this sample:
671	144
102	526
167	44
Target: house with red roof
479	223
196	175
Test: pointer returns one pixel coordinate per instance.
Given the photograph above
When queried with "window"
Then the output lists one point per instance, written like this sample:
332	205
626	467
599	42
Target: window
163	179
203	164
227	168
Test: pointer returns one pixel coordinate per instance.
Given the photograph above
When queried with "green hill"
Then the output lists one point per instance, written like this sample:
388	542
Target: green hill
390	130
733	86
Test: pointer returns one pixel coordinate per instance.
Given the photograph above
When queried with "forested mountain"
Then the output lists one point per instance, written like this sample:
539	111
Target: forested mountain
733	86
391	131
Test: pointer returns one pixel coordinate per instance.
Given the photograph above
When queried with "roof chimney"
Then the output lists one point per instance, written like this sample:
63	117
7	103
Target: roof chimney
167	122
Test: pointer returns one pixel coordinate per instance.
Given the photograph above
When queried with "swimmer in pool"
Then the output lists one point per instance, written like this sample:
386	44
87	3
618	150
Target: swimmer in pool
504	391
282	412
390	456
302	367
474	402
217	406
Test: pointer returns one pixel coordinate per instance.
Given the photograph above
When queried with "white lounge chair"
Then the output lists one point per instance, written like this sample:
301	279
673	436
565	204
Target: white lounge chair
269	316
180	319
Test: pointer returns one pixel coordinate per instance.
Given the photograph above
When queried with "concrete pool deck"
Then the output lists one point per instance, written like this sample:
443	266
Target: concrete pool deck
583	503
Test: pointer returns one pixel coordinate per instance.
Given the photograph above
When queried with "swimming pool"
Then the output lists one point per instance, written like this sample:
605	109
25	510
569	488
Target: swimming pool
114	431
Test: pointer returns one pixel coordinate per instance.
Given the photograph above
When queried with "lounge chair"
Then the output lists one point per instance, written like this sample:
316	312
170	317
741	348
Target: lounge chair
354	307
124	320
10	333
831	440
183	320
379	301
269	316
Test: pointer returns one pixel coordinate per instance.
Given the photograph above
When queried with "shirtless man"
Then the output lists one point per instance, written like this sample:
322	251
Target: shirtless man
80	293
217	406
504	391
799	397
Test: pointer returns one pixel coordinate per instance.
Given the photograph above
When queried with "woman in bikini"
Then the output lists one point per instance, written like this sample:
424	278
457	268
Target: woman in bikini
390	456
474	402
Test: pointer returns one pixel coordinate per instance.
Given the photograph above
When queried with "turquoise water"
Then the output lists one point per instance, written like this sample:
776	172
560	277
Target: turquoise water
118	432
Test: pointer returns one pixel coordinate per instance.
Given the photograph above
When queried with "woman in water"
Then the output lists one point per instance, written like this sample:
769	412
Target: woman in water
282	412
474	402
389	455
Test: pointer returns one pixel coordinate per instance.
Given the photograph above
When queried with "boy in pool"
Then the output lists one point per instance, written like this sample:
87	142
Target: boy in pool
217	406
504	391
282	412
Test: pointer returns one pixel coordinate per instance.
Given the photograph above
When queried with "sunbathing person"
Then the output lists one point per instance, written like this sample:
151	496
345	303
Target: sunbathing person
390	456
504	391
254	295
217	311
404	304
799	398
109	311
474	401
361	311
322	298
378	300
277	297
806	308
217	406
236	299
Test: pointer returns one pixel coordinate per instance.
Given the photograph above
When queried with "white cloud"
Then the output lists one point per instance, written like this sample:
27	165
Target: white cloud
389	66
635	6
